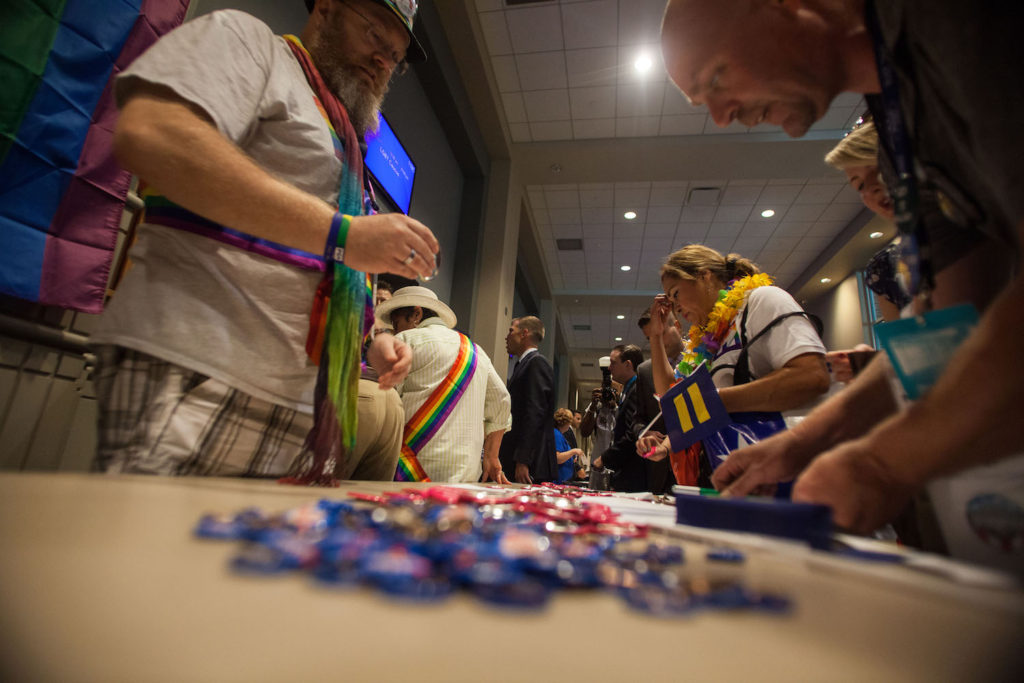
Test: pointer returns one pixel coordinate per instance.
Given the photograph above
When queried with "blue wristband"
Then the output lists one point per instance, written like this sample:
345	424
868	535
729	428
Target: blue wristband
334	250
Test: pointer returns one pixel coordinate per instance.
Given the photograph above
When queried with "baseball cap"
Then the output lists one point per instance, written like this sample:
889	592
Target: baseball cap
405	10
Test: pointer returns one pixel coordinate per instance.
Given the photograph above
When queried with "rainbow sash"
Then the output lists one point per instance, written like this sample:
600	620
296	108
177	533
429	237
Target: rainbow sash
422	426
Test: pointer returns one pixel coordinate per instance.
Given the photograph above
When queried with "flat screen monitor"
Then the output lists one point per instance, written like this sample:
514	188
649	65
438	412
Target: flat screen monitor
390	164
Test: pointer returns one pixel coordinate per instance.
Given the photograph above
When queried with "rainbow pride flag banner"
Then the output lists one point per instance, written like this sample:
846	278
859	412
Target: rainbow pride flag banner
425	422
61	191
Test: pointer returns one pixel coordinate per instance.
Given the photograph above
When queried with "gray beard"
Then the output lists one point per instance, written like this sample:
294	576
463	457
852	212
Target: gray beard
363	106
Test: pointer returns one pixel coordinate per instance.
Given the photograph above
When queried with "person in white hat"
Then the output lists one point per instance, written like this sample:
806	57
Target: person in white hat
480	406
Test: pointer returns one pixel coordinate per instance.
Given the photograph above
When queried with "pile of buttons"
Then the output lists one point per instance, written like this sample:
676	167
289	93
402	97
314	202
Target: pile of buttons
508	547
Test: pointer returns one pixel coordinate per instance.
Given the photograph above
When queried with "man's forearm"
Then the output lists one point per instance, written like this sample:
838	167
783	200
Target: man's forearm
972	415
174	148
492	444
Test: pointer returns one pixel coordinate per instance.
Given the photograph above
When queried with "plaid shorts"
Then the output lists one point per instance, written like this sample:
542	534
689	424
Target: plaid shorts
156	417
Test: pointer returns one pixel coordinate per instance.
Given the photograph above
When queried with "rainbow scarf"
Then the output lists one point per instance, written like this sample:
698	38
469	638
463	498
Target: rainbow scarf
422	426
340	316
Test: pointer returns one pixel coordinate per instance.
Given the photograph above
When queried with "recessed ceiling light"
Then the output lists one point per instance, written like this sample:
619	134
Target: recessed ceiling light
768	213
876	235
629	215
620	317
618	339
643	63
625	267
826	280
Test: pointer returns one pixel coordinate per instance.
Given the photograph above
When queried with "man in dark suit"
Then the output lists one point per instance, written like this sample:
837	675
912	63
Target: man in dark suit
528	449
621	456
659	474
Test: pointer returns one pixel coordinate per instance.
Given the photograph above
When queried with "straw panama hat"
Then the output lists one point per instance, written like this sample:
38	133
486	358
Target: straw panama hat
416	296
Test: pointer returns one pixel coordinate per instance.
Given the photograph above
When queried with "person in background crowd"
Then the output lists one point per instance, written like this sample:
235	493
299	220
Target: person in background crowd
630	470
447	369
528	449
568	456
860	458
202	363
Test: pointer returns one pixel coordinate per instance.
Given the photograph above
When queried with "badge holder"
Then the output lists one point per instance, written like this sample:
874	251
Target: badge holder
919	348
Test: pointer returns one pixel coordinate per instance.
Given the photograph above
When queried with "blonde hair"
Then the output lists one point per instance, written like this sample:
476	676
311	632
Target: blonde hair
563	416
858	148
693	259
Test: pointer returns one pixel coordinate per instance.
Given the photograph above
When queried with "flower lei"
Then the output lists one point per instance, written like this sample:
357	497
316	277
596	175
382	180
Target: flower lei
704	342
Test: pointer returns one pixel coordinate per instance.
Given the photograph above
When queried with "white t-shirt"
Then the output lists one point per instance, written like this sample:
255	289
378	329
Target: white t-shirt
236	316
790	338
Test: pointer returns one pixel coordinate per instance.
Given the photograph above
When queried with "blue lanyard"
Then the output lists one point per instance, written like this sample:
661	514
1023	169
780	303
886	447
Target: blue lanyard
915	250
626	388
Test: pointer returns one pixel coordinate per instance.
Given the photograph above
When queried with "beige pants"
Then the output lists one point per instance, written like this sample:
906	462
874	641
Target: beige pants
379	436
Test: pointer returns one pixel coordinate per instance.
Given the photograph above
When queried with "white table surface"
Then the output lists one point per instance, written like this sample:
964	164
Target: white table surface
101	580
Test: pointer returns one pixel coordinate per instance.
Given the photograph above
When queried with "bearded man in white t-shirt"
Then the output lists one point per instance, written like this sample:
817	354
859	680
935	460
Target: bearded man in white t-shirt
249	166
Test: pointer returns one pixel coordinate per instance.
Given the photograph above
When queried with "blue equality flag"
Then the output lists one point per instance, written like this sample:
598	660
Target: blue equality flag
692	409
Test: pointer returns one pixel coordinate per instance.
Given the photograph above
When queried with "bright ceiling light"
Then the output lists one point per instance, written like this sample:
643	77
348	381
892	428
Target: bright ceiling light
768	213
618	339
876	235
625	267
629	215
620	317
643	63
826	280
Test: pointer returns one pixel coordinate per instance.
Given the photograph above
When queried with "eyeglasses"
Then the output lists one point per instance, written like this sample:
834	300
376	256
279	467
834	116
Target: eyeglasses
380	45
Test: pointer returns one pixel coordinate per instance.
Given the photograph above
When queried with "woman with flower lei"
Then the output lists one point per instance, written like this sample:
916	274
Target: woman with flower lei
712	292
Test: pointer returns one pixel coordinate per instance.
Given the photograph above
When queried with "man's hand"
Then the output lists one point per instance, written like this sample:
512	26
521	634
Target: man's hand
653	443
382	244
597	463
523	474
493	471
391	358
755	469
855	482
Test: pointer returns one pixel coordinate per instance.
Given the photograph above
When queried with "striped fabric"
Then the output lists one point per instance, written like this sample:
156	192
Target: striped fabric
61	192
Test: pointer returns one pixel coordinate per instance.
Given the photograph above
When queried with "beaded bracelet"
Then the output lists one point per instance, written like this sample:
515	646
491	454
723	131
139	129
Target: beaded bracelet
334	250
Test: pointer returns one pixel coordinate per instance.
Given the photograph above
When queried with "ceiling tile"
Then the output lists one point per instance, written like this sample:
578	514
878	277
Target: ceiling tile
759	228
535	29
505	73
537	199
664	214
593	128
741	194
598	230
668	195
790	228
542	70
547	105
834	119
733	213
841	212
825	228
636	99
595	66
592	199
562	199
551	130
722	244
817	194
804	212
780	195
655	230
725	229
781	243
593	103
847	195
689	233
674	102
563	216
590	24
640	21
816	243
520	132
515	111
631	197
596	214
749	245
697	214
495	32
561	230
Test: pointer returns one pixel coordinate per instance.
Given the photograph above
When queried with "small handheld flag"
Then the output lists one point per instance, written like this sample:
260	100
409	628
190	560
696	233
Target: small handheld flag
692	409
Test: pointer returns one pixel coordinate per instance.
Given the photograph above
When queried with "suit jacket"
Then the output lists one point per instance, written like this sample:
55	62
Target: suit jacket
630	468
659	474
531	439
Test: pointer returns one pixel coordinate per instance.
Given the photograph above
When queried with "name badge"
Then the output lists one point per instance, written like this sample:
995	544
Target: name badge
920	347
